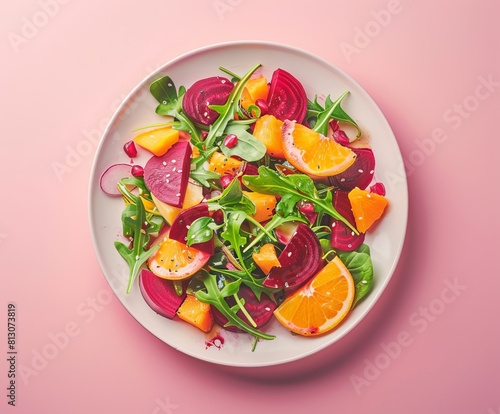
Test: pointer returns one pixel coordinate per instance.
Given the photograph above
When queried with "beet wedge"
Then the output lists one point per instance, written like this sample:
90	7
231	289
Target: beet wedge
300	260
359	174
343	238
160	294
167	176
214	90
287	97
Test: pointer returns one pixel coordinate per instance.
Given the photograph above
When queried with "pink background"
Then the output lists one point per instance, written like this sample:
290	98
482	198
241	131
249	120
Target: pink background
66	65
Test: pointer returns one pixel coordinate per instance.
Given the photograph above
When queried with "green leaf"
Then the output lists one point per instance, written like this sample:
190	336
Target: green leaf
227	110
248	147
198	170
254	284
270	182
319	117
133	219
232	199
163	90
232	232
200	231
216	298
360	266
170	104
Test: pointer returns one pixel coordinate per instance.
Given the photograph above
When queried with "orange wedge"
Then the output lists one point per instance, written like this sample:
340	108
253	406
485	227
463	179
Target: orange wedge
321	304
175	261
367	207
313	153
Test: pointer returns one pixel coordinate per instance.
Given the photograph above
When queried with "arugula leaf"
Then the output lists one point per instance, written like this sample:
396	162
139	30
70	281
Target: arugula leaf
359	264
227	111
319	116
232	199
249	148
199	172
270	182
133	220
216	297
275	221
233	235
252	283
170	103
164	91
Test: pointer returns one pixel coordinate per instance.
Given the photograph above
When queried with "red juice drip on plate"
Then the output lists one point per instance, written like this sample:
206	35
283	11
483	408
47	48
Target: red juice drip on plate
217	341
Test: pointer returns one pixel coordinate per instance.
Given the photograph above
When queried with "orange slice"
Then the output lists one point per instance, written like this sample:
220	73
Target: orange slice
174	260
367	207
313	153
321	304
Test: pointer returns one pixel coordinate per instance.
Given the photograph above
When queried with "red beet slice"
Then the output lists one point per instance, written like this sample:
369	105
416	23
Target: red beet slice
359	174
287	98
300	260
209	91
167	176
260	311
180	226
343	238
160	294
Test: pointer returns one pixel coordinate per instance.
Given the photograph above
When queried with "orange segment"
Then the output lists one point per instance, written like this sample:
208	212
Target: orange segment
221	164
255	88
268	130
313	153
264	205
266	258
197	313
321	304
175	261
158	140
367	207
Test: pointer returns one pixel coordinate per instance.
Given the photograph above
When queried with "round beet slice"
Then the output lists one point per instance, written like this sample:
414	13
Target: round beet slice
300	260
214	90
287	97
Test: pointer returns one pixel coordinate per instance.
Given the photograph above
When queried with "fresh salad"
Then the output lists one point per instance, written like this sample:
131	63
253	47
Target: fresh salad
254	204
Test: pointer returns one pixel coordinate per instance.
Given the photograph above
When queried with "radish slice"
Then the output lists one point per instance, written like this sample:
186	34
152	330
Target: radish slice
110	178
160	294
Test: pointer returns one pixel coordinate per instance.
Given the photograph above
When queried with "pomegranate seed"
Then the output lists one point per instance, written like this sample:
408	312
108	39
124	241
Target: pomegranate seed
137	171
218	216
262	104
231	140
225	180
130	149
378	188
305	207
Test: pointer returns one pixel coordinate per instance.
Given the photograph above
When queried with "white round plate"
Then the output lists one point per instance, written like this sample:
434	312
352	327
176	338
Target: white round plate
318	77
